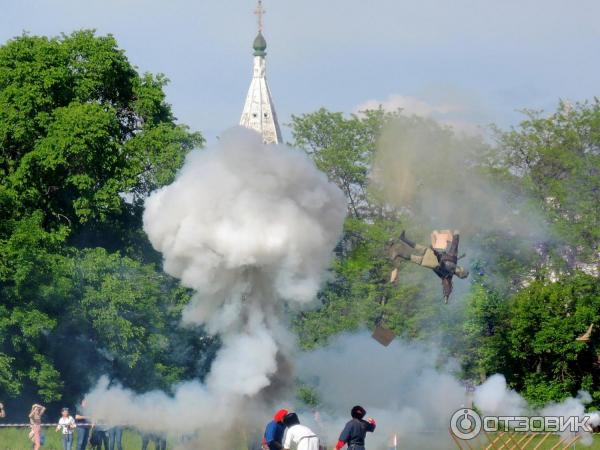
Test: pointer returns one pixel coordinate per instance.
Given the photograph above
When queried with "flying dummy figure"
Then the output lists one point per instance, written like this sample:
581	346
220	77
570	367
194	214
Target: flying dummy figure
441	257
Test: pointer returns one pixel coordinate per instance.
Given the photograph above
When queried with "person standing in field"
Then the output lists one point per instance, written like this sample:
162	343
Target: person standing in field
354	433
160	441
115	438
298	436
67	425
99	436
35	422
83	427
273	436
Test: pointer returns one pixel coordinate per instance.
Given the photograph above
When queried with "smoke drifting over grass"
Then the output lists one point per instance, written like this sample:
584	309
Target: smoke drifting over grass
407	389
401	386
251	229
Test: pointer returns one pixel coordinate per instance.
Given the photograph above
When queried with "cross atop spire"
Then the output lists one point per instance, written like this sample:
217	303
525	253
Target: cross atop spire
260	13
259	113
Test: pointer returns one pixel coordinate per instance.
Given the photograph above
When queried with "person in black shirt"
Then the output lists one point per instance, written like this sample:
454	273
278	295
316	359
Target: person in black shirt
353	434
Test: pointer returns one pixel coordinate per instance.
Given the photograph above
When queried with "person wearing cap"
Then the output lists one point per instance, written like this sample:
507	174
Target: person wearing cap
66	424
273	437
298	436
354	433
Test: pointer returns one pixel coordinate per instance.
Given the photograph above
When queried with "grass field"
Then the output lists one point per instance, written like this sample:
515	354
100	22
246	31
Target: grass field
16	439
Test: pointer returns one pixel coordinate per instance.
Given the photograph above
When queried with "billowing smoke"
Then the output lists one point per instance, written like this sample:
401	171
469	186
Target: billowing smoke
495	397
402	386
443	180
251	229
409	390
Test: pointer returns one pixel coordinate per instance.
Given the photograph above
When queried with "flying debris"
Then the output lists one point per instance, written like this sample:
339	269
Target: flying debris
441	257
383	335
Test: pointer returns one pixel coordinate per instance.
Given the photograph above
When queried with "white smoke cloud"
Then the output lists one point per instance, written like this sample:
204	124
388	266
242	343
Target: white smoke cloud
251	228
410	392
410	105
402	386
453	112
494	397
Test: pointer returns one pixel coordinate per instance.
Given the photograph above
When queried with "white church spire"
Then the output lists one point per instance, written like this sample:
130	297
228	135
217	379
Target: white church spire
259	112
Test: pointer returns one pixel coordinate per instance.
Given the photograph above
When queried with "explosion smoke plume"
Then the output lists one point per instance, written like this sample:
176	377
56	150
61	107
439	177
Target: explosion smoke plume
251	229
410	394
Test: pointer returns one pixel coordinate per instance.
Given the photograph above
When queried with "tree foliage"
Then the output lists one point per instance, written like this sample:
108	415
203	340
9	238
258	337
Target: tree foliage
522	317
83	139
360	294
557	158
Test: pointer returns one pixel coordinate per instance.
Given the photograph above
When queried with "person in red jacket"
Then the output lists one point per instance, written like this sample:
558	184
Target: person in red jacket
354	433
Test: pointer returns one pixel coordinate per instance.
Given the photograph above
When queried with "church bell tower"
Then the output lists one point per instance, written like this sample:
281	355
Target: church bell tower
259	112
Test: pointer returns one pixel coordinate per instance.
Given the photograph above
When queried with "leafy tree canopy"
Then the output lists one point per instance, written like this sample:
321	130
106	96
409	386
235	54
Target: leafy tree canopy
83	139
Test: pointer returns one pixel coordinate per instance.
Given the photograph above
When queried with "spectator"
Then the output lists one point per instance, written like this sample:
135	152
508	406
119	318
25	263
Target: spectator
160	441
2	411
83	427
115	437
35	421
67	425
99	436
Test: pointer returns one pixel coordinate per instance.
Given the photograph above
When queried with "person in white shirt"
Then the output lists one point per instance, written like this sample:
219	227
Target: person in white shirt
66	424
302	437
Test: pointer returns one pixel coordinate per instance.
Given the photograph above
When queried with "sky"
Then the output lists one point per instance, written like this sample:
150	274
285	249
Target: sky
468	63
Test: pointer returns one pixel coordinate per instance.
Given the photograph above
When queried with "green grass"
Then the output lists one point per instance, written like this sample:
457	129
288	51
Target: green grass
16	439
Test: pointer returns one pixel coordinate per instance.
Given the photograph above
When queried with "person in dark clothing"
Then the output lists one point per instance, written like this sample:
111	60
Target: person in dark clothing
274	432
354	433
99	438
441	257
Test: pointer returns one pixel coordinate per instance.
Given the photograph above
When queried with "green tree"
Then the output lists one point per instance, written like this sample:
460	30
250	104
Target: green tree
84	138
483	344
545	320
360	295
557	158
344	148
